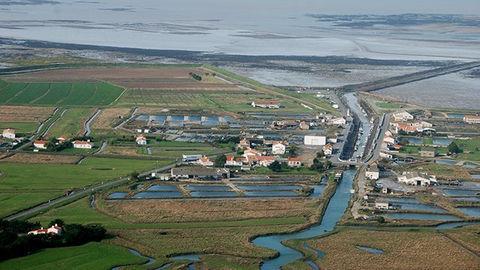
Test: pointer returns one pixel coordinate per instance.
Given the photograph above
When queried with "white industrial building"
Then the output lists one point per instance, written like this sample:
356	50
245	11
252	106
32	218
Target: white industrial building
315	140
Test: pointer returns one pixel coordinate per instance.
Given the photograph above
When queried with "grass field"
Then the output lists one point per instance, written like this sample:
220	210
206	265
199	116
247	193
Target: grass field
20	127
66	94
388	105
72	123
403	249
89	257
470	148
18	181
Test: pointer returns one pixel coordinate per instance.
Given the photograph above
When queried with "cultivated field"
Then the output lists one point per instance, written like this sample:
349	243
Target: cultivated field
89	256
19	181
168	77
403	249
109	117
24	114
41	159
157	211
72	123
66	94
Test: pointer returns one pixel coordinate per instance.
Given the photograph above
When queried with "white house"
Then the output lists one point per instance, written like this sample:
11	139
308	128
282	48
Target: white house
205	161
328	149
402	116
314	140
266	104
389	139
40	144
382	205
234	162
294	162
372	172
471	119
266	160
82	144
141	140
8	133
278	148
338	121
417	179
54	230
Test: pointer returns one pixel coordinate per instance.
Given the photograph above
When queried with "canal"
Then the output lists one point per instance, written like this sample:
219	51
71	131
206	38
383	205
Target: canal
334	212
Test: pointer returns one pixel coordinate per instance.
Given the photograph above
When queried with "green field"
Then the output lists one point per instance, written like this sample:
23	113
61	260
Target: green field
89	257
43	93
20	127
388	105
72	123
25	185
470	148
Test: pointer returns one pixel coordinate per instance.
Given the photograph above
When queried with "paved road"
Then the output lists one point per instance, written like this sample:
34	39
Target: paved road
77	195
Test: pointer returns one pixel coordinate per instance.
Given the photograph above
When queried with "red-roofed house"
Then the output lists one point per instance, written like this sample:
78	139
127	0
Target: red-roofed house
234	162
328	149
40	144
266	160
54	230
294	162
205	161
471	119
397	146
62	139
141	140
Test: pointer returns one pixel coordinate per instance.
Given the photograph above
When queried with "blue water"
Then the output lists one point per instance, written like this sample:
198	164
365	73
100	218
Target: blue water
416	216
268	187
317	190
142	195
471	165
445	162
118	195
333	214
207	188
456	115
473	199
213	193
163	188
401	200
370	250
422	207
188	257
271	193
460	192
471	211
442	142
413	140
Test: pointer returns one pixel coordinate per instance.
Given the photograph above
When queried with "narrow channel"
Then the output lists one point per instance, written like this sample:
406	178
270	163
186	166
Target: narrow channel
334	212
87	125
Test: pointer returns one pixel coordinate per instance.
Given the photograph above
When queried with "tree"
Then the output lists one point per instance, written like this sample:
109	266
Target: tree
317	166
327	164
275	166
135	175
220	161
380	219
320	154
453	148
293	151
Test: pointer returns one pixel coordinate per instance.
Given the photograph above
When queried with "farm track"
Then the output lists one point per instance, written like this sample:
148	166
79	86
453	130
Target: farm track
42	96
17	94
460	244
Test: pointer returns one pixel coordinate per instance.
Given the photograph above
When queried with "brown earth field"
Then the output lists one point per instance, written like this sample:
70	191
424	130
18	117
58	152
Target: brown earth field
159	211
133	77
24	114
41	159
421	249
109	117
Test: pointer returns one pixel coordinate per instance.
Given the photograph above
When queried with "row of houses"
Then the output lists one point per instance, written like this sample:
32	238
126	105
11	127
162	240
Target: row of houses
53	230
8	133
471	119
267	104
78	144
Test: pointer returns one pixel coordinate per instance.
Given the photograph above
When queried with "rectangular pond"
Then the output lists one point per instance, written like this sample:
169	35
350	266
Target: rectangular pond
471	211
400	200
207	188
146	195
417	216
468	199
206	194
271	193
118	195
268	187
460	192
317	190
163	188
421	207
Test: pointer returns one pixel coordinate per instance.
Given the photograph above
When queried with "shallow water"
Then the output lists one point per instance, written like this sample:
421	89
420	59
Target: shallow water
455	192
471	211
147	194
207	188
333	214
370	250
271	193
445	162
213	194
267	187
421	207
118	195
417	216
163	188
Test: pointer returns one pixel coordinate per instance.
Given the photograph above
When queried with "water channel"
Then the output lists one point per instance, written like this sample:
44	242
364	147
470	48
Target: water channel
333	214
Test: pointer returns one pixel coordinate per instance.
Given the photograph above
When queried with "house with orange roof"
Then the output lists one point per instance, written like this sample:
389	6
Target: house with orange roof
53	230
8	133
471	119
294	162
82	144
205	161
328	149
40	144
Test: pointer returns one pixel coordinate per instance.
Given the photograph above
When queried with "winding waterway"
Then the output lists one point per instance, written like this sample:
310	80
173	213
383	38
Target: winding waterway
334	212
